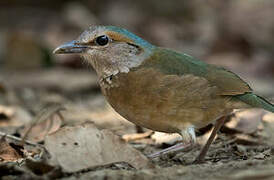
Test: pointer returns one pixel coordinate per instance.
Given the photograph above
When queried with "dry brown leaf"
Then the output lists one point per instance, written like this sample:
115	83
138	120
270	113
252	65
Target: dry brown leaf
47	121
85	146
7	152
246	121
40	130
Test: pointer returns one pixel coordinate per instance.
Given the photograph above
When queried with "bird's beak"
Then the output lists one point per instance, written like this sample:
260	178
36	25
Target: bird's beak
71	47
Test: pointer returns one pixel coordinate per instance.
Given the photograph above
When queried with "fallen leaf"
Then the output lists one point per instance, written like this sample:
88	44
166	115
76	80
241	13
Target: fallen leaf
166	138
137	136
246	121
85	146
7	152
39	131
47	121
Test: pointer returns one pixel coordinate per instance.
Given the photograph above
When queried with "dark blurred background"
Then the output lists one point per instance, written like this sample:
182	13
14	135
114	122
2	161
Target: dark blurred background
238	35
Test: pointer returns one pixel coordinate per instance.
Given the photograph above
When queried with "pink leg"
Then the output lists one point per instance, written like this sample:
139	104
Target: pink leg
217	126
176	147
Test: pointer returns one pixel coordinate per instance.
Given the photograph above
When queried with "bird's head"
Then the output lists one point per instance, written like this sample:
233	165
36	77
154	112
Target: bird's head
109	49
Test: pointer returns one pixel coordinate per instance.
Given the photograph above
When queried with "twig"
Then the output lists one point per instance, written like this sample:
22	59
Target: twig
18	139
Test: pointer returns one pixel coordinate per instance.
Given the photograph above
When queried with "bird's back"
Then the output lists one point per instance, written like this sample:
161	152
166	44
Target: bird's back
171	62
227	83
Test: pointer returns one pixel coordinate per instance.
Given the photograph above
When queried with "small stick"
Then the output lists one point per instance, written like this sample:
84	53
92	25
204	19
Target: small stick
18	139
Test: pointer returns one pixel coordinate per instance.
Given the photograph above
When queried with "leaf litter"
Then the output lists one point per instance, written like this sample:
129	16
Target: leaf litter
9	153
84	146
47	121
49	146
84	149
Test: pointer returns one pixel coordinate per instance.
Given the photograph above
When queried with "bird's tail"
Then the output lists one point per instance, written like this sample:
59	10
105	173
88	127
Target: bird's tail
256	101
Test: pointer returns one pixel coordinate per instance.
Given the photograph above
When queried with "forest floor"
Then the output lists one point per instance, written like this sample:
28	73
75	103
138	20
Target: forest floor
62	128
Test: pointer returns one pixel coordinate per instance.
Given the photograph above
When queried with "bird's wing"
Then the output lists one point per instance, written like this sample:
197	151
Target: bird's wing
173	63
227	82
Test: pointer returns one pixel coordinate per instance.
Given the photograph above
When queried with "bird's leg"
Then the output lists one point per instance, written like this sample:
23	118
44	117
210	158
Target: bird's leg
188	135
204	150
176	147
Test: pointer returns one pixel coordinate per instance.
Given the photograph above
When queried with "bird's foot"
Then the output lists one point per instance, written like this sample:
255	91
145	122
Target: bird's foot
175	148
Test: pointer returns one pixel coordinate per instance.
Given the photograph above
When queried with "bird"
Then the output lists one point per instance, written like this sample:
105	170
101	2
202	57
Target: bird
162	89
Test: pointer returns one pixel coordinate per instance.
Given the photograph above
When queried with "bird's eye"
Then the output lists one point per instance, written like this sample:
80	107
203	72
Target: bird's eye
102	40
